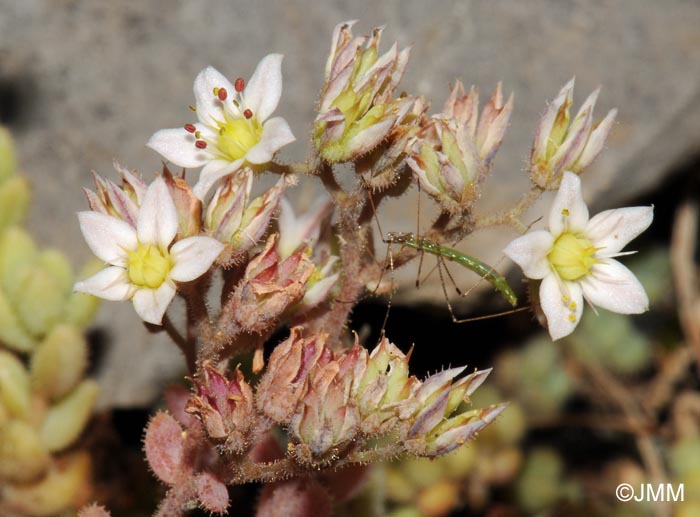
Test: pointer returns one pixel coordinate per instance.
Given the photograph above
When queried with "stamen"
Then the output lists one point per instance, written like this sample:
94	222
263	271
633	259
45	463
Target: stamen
216	91
200	144
197	134
192	108
190	128
222	94
565	211
239	84
248	114
236	103
572	318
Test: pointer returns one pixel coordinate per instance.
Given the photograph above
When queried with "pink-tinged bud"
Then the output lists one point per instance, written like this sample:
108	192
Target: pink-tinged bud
357	109
452	154
326	419
269	286
429	404
225	407
120	202
562	146
109	199
211	492
235	220
456	431
306	230
187	205
282	383
164	446
431	429
381	381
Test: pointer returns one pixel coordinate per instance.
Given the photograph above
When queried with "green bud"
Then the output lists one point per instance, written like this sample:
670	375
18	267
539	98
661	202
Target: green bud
14	199
66	420
59	361
12	333
8	161
14	385
40	301
22	457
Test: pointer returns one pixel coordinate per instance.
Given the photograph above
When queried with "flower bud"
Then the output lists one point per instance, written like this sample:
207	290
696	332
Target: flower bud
65	420
187	205
224	407
282	383
563	146
59	362
269	286
453	153
381	382
120	202
326	418
357	111
236	221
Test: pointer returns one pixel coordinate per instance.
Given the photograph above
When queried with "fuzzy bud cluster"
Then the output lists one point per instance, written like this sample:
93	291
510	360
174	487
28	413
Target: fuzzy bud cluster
358	110
453	153
331	402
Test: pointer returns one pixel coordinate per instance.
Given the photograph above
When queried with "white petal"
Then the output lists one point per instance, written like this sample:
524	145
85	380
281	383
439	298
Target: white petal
213	172
276	134
111	283
209	107
263	91
613	287
151	304
177	145
193	257
530	253
109	238
569	210
157	222
562	309
611	230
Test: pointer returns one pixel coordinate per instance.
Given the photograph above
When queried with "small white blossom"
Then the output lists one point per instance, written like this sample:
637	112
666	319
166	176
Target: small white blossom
574	259
234	127
142	264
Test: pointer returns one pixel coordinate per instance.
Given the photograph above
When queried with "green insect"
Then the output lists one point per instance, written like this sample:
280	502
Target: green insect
485	271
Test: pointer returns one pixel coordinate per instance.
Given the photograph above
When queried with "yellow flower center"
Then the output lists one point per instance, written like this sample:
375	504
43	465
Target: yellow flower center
149	266
572	256
238	136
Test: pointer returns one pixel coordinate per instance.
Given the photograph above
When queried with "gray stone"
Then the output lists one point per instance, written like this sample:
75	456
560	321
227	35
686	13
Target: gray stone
96	79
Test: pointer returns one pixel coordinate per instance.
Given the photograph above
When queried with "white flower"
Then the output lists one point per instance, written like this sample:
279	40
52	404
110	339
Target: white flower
234	127
143	266
574	259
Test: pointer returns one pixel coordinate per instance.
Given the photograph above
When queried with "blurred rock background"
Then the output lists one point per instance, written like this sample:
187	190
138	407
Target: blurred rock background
83	82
